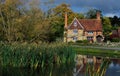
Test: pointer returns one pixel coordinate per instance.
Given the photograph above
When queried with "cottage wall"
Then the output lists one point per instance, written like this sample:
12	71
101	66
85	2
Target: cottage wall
71	35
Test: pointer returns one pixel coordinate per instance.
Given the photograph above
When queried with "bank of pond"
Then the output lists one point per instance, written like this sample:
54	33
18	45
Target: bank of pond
55	59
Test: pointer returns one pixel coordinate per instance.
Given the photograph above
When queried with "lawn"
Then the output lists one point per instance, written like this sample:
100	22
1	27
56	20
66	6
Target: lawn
97	52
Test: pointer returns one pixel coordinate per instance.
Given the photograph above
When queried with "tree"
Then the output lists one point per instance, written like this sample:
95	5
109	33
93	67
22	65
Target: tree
57	18
91	14
107	27
19	23
9	13
115	22
79	15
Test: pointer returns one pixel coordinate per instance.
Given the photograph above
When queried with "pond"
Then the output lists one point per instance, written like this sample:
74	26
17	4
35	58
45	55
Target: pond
83	66
96	66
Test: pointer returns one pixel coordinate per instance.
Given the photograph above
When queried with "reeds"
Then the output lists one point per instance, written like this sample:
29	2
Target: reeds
97	69
35	55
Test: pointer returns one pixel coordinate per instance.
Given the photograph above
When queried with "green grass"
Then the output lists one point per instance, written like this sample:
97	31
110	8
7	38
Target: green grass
97	52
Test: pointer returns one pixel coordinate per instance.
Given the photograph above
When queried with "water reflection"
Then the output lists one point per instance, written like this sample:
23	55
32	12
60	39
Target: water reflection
83	66
96	66
114	68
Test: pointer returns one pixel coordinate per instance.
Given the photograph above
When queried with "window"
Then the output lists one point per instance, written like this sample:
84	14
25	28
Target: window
75	38
75	24
75	31
90	32
89	38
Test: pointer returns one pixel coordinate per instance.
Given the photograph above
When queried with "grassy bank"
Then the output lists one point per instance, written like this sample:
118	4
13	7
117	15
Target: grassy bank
97	52
35	55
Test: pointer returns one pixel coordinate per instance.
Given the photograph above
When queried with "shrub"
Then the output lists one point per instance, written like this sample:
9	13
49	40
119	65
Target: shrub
115	40
85	41
82	41
71	42
79	41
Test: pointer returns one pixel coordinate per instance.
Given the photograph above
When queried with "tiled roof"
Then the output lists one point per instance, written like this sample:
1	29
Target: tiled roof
91	24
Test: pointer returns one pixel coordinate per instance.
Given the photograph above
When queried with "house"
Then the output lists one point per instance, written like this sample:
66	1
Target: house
84	29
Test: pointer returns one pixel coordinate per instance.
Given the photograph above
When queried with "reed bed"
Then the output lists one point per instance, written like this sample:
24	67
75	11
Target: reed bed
35	55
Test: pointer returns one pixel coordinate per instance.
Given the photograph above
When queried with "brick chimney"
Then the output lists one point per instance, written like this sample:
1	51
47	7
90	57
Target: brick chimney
98	15
65	20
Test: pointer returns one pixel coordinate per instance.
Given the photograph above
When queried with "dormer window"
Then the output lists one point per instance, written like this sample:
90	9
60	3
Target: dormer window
75	24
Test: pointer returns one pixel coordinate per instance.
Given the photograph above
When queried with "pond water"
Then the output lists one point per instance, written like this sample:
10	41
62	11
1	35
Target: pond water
114	68
83	66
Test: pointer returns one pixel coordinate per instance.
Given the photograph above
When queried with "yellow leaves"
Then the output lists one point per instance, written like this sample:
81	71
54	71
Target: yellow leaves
12	2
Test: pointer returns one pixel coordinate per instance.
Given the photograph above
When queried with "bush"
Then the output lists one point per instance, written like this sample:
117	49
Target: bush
71	42
115	40
82	41
85	41
79	41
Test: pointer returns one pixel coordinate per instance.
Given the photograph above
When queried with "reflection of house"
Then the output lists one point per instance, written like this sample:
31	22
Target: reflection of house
83	61
115	33
83	29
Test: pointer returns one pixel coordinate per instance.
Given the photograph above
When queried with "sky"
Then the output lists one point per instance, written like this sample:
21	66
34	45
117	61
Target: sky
109	8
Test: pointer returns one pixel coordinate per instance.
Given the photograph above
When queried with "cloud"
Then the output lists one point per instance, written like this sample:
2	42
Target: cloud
106	6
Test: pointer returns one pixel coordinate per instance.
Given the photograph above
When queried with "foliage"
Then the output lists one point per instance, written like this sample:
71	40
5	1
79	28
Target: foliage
82	41
91	14
115	21
21	23
107	27
57	18
115	40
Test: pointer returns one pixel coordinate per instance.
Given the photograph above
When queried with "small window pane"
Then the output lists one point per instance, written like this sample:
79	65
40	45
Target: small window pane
75	31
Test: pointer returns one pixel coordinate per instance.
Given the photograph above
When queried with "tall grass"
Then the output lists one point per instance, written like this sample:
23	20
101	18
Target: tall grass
35	55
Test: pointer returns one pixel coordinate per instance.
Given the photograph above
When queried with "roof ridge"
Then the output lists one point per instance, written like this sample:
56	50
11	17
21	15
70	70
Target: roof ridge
89	19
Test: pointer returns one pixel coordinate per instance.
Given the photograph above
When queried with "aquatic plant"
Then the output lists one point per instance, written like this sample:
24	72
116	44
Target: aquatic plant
35	55
94	69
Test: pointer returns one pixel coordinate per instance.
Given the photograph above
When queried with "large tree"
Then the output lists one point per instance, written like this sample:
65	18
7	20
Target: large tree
91	14
20	23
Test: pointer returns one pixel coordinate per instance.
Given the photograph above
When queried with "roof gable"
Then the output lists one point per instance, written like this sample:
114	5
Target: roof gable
75	24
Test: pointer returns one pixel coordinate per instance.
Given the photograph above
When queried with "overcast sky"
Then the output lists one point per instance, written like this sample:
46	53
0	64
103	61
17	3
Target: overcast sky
108	7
